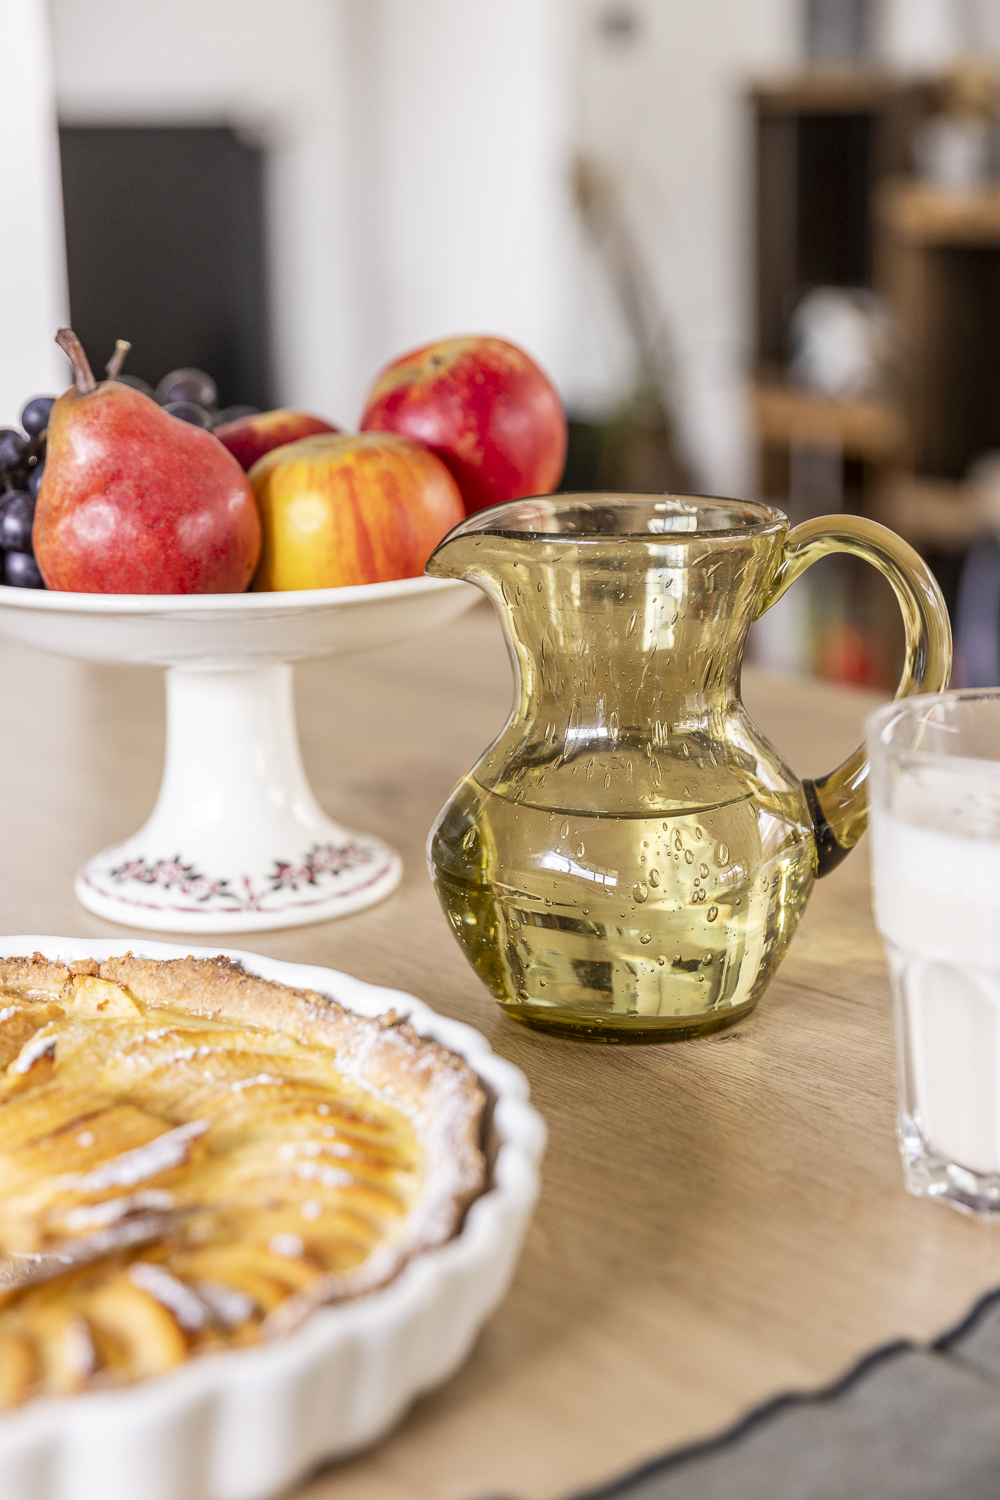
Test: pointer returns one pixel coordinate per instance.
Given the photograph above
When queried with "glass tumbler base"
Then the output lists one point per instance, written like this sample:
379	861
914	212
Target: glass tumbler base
930	1175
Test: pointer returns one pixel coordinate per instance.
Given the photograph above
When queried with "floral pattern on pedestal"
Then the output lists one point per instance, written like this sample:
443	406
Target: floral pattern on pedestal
322	860
316	872
171	874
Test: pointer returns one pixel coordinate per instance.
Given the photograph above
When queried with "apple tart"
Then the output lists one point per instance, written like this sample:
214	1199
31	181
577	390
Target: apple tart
193	1159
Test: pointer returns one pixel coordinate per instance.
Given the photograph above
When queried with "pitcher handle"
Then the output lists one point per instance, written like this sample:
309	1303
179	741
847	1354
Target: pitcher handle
838	803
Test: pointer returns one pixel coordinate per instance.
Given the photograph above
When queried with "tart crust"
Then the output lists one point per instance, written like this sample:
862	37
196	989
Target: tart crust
118	1283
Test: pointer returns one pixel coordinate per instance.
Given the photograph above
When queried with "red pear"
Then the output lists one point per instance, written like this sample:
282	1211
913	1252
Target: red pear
249	438
135	501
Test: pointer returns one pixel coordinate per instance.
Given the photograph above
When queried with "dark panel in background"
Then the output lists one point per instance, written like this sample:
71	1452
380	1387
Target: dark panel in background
958	377
165	245
814	180
834	184
778	282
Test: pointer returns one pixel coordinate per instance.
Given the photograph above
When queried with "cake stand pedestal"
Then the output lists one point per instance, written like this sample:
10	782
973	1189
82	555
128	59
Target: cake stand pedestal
236	839
236	842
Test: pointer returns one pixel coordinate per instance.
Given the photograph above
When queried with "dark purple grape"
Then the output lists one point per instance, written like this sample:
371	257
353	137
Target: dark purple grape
13	447
137	383
188	411
35	415
17	512
21	571
35	480
187	385
234	414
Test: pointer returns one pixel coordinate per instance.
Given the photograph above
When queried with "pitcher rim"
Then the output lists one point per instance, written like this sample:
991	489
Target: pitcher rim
489	520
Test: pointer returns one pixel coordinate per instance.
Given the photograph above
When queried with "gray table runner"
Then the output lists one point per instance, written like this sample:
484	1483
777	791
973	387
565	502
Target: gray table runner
907	1423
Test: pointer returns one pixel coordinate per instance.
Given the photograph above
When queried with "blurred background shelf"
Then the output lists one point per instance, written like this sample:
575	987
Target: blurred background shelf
841	209
938	516
824	141
826	91
921	213
873	430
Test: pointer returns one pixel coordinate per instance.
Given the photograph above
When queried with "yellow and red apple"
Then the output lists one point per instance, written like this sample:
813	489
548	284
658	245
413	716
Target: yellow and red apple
249	438
484	407
340	509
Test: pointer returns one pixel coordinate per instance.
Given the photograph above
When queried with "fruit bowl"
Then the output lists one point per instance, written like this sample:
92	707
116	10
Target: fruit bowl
237	841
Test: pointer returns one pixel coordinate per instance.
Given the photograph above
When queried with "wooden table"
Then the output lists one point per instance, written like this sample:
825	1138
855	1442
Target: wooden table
720	1220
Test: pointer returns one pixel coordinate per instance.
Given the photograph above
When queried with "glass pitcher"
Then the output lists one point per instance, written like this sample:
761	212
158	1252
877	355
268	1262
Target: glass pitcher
630	858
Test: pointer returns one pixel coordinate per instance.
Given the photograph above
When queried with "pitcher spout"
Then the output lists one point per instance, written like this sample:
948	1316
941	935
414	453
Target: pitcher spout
478	547
458	555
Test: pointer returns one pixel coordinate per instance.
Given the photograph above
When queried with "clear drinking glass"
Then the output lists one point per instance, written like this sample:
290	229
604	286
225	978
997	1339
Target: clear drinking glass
935	832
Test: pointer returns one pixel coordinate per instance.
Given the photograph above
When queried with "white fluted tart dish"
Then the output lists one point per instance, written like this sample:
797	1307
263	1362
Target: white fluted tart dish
248	1211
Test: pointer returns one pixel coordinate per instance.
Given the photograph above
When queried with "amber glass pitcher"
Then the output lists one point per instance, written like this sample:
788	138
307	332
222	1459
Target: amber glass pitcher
630	858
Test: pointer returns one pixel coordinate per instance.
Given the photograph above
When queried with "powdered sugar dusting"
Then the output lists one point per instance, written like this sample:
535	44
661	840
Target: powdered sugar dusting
172	1294
227	1306
259	1078
41	1045
159	1155
78	1348
100	1215
286	1244
328	1177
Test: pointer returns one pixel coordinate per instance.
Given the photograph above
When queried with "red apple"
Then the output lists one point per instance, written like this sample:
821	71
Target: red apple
249	438
485	408
345	509
135	501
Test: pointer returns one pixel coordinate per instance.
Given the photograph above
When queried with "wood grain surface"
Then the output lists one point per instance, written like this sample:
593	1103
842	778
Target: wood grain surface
720	1220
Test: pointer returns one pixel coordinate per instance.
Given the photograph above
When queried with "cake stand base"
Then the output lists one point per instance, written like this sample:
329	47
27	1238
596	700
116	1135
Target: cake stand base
236	842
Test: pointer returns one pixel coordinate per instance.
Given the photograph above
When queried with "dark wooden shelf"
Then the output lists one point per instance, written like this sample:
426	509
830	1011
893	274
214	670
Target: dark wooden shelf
838	204
825	140
938	264
922	214
937	515
873	430
823	91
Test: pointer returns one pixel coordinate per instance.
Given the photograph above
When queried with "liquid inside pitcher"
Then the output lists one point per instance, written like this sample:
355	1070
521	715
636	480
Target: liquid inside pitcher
631	857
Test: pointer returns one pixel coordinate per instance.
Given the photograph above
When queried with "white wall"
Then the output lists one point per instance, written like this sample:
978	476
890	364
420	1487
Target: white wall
921	35
417	154
467	125
419	173
665	108
277	71
32	262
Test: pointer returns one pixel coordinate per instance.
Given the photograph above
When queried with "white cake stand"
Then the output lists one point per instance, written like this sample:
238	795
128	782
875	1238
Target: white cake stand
237	842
